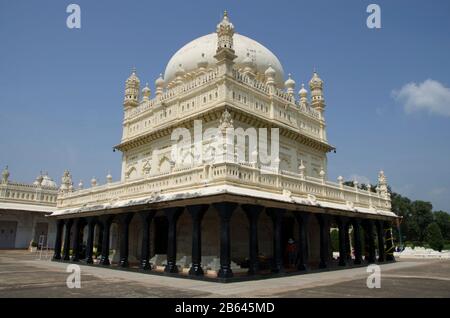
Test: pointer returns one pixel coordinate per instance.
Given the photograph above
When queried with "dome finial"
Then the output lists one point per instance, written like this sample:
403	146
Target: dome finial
225	13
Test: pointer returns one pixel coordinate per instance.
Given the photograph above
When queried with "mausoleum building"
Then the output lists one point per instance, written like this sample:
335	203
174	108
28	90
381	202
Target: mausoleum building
224	174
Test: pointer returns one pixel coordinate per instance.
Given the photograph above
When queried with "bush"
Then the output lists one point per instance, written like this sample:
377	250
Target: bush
433	237
34	244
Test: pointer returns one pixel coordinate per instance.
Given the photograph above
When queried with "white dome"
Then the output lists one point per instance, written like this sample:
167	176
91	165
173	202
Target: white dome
190	54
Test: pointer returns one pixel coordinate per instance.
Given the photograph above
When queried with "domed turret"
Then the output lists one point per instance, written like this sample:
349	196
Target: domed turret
66	182
290	85
48	182
159	84
248	65
109	178
146	92
303	93
179	74
270	74
203	63
132	87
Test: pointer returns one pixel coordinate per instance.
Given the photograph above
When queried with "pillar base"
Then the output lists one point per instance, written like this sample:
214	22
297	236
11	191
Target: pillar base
357	262
56	257
171	268
105	262
124	263
89	260
252	270
323	265
145	265
342	263
278	268
196	270
390	258
302	267
225	273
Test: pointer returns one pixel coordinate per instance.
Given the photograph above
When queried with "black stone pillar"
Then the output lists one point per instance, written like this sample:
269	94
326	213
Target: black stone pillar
172	215
58	240
106	223
348	252
370	241
225	210
303	246
342	225
324	233
277	219
66	255
389	242
76	240
91	221
380	236
357	241
100	238
197	212
147	218
124	221
253	212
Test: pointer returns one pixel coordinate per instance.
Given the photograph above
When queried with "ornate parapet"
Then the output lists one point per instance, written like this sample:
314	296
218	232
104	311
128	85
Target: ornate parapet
245	176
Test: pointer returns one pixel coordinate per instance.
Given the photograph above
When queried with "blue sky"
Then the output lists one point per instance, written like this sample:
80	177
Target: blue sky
61	89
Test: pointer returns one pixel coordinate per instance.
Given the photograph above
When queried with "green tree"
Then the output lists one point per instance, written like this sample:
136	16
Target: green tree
402	207
434	237
421	217
442	219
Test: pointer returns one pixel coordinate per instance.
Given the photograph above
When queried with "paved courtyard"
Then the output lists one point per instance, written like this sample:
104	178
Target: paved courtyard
22	275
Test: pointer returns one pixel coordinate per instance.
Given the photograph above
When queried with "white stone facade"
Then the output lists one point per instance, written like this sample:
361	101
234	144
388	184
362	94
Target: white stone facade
249	91
24	209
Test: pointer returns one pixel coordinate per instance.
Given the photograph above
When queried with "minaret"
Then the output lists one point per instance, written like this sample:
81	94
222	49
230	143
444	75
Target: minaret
225	49
225	32
316	87
132	87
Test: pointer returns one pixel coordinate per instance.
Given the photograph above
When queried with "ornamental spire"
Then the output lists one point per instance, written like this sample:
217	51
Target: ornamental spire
5	175
132	87
225	32
316	87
